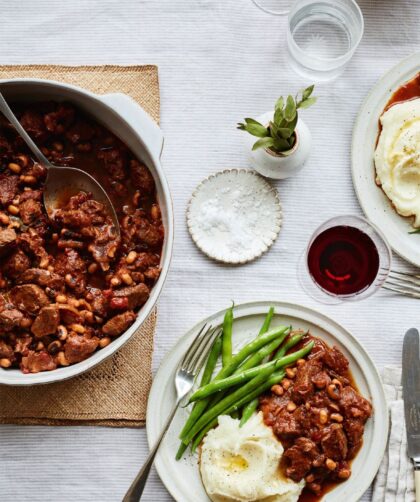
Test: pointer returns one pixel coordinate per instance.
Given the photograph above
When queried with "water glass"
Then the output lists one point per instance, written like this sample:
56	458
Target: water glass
322	36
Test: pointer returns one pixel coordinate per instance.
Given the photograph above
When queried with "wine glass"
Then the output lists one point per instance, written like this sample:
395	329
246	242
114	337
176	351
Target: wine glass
347	259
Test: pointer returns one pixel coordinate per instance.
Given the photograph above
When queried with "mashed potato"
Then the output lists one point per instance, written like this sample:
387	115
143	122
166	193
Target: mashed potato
242	464
397	157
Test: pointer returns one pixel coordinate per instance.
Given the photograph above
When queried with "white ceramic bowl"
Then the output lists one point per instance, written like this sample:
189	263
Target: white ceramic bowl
127	120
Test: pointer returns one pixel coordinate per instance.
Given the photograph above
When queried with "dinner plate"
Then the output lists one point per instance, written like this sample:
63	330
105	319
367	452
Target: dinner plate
182	478
375	204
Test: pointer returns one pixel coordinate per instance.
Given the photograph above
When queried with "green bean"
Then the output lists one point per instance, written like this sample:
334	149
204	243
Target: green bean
205	379
272	380
261	354
237	359
227	336
253	405
211	361
267	321
291	342
244	376
222	407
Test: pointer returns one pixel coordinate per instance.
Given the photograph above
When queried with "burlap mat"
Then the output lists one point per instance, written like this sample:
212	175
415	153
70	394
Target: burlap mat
115	392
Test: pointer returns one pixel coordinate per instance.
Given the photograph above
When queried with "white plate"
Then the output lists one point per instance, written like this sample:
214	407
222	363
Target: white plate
182	478
375	204
234	216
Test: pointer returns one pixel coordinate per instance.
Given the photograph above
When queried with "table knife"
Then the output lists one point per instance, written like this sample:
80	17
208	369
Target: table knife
411	395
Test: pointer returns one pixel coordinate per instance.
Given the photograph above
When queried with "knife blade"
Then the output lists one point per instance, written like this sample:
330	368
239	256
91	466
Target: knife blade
411	395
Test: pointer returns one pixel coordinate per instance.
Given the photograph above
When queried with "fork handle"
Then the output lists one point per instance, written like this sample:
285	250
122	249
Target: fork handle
135	491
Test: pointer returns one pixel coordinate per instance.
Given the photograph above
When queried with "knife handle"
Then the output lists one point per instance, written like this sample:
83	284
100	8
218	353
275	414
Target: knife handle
417	481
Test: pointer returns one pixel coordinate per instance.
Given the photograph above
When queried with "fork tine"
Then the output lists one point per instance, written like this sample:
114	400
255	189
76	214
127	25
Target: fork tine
190	352
403	277
212	339
405	274
401	291
398	283
198	350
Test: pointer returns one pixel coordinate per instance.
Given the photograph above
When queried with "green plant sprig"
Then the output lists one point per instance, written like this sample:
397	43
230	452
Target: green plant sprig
279	136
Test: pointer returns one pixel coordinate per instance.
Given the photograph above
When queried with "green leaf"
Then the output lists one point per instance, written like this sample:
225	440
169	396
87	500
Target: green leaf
417	231
292	125
252	121
279	103
263	143
278	116
307	103
307	92
256	129
284	132
281	145
290	110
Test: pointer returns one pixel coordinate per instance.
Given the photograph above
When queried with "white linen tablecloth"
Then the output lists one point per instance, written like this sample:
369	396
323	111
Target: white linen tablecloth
219	61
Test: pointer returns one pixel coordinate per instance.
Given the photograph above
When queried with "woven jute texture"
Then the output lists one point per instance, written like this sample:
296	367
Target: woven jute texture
115	392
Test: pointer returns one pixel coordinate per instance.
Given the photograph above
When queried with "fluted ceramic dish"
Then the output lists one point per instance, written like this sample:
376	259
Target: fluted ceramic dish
182	478
255	211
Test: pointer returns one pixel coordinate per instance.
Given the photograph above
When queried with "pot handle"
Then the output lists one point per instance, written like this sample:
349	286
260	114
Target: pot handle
138	119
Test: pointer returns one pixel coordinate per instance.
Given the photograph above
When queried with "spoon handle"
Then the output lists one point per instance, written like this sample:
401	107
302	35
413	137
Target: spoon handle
7	112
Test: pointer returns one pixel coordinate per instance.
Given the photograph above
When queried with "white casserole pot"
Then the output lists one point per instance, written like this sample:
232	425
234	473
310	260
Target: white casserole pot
127	120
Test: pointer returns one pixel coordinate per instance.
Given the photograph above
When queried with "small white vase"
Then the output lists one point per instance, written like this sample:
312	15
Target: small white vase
284	165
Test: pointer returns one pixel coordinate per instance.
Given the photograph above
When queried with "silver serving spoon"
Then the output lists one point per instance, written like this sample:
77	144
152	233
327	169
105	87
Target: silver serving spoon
61	180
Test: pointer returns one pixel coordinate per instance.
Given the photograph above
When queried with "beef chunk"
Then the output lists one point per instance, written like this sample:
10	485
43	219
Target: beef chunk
334	442
30	211
9	319
6	351
70	262
60	120
34	362
15	264
80	132
7	239
79	347
29	298
32	243
354	430
114	160
303	387
119	323
336	360
43	278
137	295
46	322
354	405
22	344
140	230
8	188
99	302
69	314
33	123
30	194
141	177
300	457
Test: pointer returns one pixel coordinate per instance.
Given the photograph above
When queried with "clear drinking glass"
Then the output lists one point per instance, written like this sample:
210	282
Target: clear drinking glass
322	36
343	249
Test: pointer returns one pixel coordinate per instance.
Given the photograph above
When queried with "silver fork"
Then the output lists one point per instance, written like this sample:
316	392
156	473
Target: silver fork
187	370
403	283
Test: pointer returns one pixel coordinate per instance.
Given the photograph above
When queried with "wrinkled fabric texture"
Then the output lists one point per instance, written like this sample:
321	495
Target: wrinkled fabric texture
219	61
395	479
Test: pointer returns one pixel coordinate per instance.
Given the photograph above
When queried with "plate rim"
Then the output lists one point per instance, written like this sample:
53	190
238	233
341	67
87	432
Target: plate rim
383	88
319	317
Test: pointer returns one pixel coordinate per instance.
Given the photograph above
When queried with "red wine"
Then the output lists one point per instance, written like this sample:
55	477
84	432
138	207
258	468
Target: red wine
343	260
